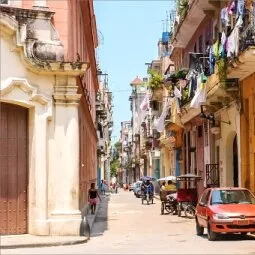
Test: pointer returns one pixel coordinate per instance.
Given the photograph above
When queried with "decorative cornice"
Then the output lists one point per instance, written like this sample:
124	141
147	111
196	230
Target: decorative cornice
13	83
38	55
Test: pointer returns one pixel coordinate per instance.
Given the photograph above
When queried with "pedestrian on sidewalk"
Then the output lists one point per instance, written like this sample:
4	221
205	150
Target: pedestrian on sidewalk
116	188
103	187
93	195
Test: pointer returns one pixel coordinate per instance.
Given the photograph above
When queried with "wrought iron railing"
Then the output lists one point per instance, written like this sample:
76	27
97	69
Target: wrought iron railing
212	175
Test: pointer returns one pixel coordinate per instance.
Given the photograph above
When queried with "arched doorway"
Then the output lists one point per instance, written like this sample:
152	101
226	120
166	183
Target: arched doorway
235	163
13	169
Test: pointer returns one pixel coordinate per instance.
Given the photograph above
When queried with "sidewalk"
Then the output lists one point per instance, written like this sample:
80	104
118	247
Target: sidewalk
32	241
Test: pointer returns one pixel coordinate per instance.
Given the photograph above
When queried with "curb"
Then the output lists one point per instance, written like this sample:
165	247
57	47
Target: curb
49	244
60	243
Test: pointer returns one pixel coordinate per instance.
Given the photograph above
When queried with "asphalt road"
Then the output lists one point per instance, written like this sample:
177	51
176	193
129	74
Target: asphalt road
125	226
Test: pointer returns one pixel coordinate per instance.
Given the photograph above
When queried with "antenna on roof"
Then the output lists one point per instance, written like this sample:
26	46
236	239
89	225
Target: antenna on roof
163	23
166	21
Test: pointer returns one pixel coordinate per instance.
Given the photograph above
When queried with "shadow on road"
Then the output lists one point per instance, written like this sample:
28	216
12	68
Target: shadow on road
232	237
101	221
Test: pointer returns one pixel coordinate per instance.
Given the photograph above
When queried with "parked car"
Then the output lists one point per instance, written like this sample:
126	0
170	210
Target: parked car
137	189
225	210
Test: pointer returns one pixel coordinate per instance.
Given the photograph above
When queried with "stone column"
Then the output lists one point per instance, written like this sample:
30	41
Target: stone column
39	224
65	214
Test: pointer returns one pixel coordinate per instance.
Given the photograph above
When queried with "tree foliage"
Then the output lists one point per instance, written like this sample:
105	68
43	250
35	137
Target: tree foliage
115	163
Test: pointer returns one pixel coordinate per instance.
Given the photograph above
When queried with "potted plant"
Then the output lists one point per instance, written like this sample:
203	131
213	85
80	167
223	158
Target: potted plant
156	82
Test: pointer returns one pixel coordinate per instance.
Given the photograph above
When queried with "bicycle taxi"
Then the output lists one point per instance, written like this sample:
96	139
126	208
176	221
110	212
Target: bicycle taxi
167	204
187	196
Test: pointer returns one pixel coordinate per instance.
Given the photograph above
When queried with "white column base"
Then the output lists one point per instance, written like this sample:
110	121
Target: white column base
39	227
65	223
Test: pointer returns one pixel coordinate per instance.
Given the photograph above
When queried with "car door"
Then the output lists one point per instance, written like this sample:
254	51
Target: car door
202	208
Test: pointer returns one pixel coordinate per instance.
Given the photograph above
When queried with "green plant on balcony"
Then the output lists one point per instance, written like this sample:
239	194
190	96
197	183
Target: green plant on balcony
179	75
185	96
222	69
183	7
156	79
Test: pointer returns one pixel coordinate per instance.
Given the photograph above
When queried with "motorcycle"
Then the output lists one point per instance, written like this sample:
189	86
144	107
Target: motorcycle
147	196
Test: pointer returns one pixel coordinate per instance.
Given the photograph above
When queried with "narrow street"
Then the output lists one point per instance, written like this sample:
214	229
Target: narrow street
125	226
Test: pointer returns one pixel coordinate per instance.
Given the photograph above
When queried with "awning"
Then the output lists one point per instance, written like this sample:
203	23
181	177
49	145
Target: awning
168	178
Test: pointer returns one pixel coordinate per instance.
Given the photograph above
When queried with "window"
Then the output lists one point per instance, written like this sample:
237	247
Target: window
195	48
232	197
205	197
4	1
206	140
200	131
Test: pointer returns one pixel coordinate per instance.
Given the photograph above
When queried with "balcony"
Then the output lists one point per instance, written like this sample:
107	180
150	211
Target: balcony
192	18
101	147
244	66
184	31
157	93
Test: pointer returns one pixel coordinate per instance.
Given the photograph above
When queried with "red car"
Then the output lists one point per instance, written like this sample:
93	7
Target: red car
225	210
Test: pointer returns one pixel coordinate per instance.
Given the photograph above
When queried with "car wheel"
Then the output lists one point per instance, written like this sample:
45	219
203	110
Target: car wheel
199	229
212	236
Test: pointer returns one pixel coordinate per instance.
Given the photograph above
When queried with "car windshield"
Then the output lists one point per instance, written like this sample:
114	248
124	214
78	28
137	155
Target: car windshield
232	197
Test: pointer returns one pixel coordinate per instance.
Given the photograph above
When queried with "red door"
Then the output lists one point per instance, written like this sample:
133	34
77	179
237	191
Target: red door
13	169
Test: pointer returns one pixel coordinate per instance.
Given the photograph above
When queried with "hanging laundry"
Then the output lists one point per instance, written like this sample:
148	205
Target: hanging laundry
240	9
145	103
216	49
161	121
231	7
211	60
233	40
200	95
192	86
224	16
178	95
222	50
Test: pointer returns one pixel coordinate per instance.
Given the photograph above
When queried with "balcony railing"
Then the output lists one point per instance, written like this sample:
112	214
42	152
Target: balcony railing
247	36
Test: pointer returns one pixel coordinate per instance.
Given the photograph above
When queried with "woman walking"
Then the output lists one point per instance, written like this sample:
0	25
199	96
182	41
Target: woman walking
93	195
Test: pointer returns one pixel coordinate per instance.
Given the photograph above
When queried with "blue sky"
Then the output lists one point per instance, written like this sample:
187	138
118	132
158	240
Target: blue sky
130	33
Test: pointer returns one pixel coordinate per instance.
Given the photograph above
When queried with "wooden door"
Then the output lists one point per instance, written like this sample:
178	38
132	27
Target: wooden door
13	169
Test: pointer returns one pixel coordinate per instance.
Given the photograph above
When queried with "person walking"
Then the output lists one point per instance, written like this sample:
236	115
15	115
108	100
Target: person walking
92	198
103	188
116	188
